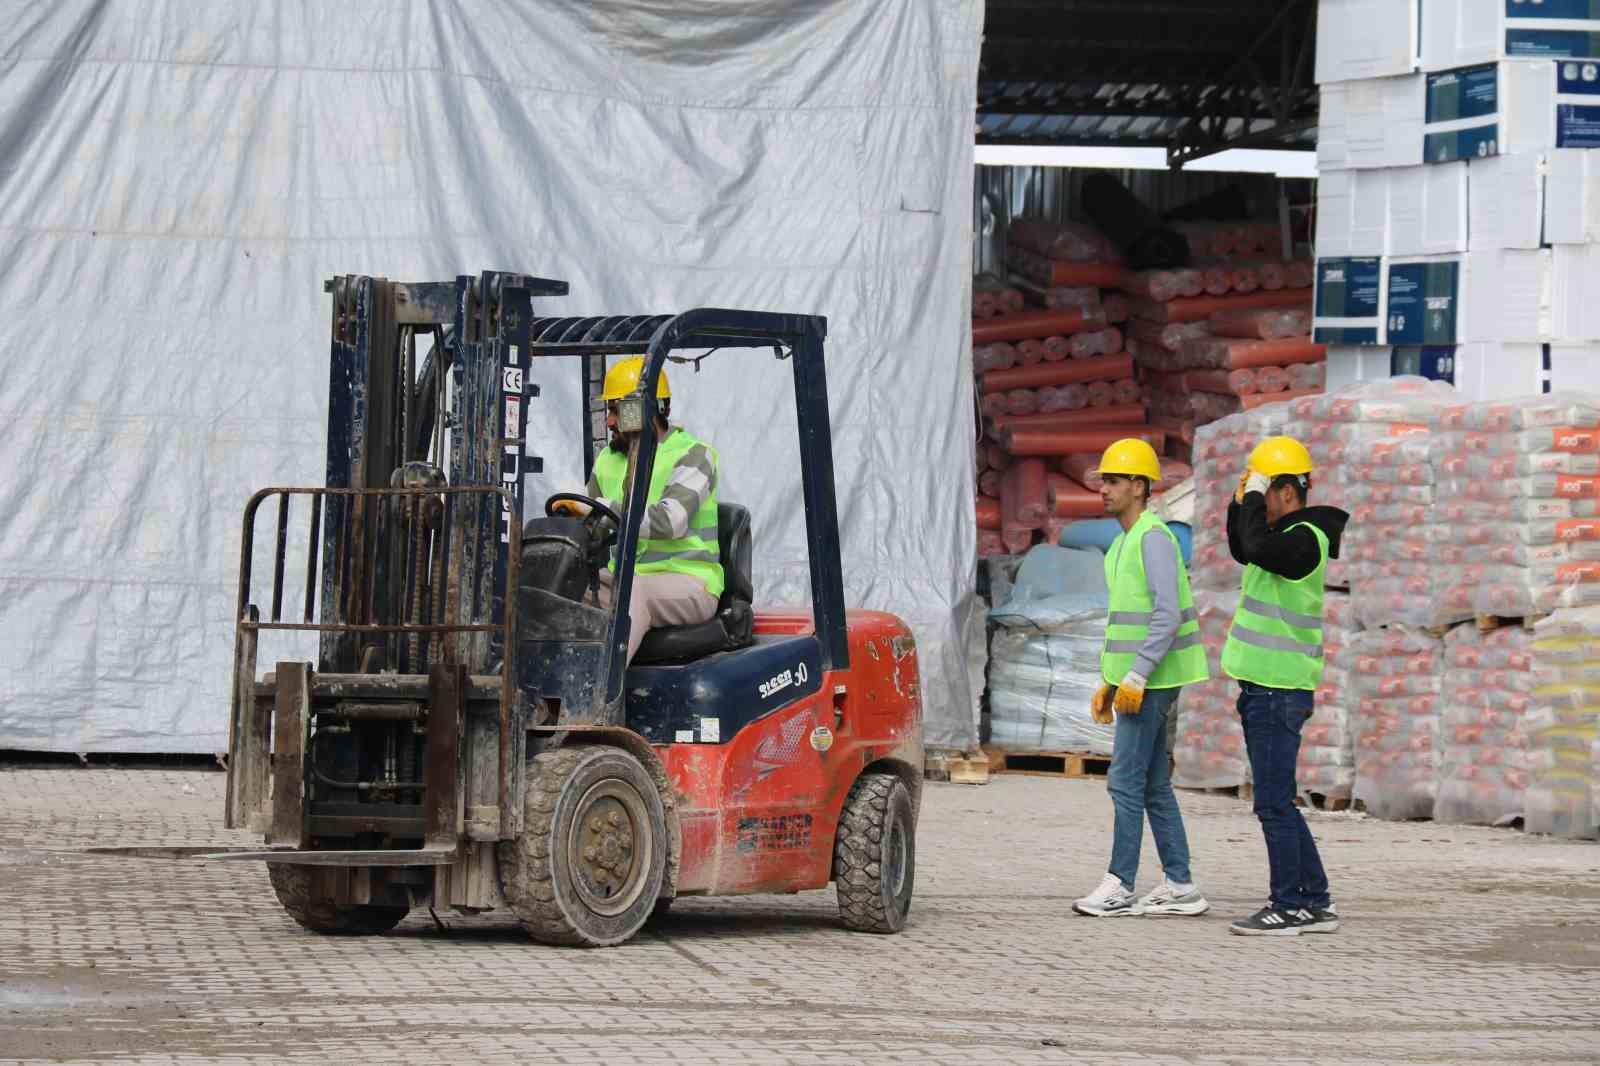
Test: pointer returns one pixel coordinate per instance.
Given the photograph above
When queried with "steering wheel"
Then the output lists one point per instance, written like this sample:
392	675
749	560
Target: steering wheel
594	505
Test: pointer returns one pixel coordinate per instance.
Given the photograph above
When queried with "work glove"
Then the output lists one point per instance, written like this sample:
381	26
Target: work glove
1253	482
570	507
1130	694
1100	706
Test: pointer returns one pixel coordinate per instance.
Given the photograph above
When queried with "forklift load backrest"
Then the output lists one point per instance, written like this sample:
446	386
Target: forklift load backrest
733	626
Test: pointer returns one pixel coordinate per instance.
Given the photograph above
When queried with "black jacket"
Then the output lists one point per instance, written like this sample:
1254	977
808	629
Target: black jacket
1277	549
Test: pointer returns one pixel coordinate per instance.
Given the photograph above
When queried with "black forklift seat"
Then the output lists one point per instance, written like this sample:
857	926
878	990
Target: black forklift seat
733	626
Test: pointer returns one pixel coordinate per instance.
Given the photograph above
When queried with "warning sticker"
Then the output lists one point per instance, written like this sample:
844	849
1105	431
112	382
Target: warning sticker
777	832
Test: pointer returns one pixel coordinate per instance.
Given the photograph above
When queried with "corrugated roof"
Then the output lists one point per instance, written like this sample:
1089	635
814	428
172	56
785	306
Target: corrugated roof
1190	75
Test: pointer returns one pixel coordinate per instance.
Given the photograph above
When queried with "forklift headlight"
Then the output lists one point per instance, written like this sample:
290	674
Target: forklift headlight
630	414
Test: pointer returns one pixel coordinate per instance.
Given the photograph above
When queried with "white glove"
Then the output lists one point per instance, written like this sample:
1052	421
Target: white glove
1257	483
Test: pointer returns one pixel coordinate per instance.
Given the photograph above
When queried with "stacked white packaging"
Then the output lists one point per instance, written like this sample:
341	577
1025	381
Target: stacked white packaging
1209	751
1516	531
1488	692
1327	764
1456	180
1562	798
1397	677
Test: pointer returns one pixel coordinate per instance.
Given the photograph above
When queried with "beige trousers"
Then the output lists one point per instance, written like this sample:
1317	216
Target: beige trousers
661	600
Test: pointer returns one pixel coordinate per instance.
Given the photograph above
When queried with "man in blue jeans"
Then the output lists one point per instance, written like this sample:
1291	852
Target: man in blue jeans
1152	649
1274	651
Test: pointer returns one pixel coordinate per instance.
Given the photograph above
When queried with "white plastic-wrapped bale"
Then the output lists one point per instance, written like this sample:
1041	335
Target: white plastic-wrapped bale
1327	763
1561	727
1041	680
1517	528
1044	658
1488	692
1397	675
1209	751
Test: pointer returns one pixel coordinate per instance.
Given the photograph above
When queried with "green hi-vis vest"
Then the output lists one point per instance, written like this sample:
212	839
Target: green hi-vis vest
1132	607
1276	636
696	553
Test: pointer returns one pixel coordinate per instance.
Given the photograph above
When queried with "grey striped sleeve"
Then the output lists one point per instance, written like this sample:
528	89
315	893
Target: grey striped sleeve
692	480
1161	574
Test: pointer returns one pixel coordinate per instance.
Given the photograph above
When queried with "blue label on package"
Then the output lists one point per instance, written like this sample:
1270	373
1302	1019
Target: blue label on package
1423	303
1552	44
1577	105
1462	119
1436	364
1347	300
1553	9
1470	92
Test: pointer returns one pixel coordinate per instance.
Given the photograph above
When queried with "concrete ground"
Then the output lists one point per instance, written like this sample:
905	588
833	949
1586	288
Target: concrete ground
1461	945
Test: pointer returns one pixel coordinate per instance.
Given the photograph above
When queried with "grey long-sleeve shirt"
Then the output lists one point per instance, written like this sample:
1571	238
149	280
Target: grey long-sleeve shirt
1160	557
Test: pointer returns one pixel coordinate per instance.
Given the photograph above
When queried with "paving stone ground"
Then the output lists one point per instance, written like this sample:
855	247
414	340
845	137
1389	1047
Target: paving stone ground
1461	945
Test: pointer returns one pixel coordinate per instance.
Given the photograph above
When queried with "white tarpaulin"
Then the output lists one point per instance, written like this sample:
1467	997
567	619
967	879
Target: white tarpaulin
178	179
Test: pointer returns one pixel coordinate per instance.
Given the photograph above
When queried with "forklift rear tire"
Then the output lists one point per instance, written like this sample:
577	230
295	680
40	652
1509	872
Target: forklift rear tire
589	865
874	855
293	886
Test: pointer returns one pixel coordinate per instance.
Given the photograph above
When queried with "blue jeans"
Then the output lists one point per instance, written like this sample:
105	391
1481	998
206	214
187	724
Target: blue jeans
1140	783
1273	718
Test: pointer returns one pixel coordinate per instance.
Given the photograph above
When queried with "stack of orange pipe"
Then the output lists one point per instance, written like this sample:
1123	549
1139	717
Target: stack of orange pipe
1097	368
1202	307
1035	442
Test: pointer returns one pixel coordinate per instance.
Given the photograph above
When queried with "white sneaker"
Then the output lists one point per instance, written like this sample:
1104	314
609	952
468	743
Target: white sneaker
1110	900
1164	899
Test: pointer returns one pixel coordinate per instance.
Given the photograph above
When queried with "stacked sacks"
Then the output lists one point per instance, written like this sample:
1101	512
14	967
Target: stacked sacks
1394	574
1331	426
1517	531
1488	692
1397	677
1210	752
1561	728
1220	452
1327	764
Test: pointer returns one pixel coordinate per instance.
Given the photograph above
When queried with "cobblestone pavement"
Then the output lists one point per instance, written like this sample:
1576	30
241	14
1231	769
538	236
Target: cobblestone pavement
1461	945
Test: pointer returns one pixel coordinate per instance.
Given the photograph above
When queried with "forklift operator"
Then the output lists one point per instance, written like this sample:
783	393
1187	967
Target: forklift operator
678	576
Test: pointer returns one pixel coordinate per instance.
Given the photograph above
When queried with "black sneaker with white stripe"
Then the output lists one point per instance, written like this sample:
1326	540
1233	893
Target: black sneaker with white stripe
1270	921
1323	920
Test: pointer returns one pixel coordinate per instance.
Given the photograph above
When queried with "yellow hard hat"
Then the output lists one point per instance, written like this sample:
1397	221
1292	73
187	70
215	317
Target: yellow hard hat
1131	457
623	378
1280	455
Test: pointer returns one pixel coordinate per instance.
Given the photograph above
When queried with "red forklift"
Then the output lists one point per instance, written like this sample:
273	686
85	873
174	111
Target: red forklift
470	734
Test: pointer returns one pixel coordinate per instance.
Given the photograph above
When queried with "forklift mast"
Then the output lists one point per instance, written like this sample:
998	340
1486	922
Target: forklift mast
384	412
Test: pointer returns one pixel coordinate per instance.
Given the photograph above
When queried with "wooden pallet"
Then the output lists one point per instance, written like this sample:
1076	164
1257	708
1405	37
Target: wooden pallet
1318	802
1049	763
970	771
955	766
1245	792
1488	623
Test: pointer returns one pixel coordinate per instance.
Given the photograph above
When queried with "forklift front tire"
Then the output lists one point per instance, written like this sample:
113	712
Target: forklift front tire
293	886
874	855
589	865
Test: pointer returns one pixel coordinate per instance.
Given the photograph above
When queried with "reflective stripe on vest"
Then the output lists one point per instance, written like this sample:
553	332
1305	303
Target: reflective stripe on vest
1276	636
1133	608
697	552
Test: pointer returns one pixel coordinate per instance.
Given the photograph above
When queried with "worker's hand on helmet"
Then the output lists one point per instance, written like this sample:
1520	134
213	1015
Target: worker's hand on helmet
1100	706
571	508
1249	482
1130	694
